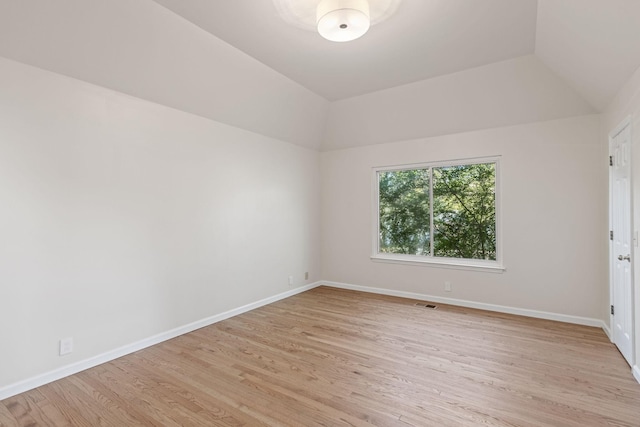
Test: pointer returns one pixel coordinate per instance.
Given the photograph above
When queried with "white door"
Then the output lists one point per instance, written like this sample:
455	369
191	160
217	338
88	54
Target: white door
621	243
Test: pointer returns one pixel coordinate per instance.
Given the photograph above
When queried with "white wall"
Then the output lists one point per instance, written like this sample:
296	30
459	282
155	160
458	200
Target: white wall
121	219
516	91
627	104
553	191
143	49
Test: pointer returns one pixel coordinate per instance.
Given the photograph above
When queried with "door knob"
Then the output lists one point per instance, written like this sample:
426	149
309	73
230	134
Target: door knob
622	258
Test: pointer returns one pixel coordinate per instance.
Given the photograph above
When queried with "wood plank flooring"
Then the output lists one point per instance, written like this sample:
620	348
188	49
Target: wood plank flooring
332	357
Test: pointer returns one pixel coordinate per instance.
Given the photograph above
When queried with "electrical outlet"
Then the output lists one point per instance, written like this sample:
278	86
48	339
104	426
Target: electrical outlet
447	286
66	346
306	275
290	280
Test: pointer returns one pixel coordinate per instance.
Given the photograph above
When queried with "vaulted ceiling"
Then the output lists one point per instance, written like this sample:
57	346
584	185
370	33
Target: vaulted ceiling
593	44
438	63
423	39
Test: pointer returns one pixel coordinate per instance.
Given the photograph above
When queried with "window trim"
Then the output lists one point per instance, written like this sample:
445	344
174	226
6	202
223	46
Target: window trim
456	263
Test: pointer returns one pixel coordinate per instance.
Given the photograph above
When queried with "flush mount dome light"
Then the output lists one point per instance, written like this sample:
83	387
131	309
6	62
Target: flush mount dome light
336	20
343	20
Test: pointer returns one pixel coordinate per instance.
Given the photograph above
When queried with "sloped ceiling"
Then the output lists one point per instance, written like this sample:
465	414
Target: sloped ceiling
506	93
594	45
423	39
239	63
144	50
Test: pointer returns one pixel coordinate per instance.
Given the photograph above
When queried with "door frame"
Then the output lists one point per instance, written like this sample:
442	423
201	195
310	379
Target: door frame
634	237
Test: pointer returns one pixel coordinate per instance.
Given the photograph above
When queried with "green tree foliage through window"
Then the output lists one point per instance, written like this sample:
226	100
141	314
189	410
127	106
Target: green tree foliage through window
405	212
439	211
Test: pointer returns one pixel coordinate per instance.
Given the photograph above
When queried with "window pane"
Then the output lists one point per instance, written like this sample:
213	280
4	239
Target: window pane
404	212
464	211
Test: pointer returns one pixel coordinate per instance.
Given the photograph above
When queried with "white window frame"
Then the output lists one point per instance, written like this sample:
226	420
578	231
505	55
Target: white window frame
446	262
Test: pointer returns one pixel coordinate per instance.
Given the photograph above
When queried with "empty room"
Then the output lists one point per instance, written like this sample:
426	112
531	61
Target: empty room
319	213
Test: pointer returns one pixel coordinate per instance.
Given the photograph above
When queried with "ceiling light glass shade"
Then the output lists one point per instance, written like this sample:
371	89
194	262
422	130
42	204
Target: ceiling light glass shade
304	13
343	20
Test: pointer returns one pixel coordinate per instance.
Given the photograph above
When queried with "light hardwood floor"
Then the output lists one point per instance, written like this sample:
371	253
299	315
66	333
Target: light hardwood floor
341	358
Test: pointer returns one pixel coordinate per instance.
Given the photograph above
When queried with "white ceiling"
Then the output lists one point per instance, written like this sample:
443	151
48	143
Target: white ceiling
237	62
593	44
423	39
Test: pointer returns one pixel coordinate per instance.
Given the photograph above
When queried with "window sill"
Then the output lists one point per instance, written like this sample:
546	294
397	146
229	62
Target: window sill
491	267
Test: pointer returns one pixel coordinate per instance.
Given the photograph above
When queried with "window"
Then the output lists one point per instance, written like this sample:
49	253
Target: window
445	213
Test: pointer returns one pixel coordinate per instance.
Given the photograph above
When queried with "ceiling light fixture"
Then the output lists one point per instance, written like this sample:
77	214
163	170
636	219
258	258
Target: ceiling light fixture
336	20
343	20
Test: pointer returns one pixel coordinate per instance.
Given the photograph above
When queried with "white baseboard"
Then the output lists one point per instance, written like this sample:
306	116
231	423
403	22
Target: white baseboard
607	331
65	371
636	372
472	304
